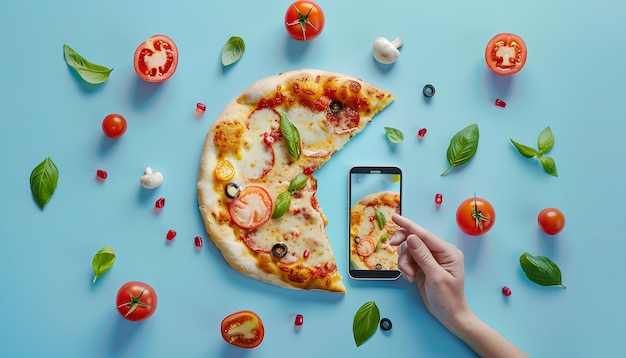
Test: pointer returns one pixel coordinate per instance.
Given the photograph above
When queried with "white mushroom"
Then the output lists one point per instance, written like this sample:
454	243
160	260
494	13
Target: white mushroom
150	179
385	51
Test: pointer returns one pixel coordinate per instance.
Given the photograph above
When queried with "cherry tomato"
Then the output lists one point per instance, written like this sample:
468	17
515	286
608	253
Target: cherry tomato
252	208
551	220
475	216
114	125
304	20
156	59
136	301
505	54
243	329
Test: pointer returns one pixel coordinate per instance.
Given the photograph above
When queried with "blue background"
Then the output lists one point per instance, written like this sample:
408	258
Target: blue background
574	81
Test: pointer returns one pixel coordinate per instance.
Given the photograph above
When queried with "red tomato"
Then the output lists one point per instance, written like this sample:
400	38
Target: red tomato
243	329
156	59
505	54
136	301
304	20
252	208
114	125
475	216
551	220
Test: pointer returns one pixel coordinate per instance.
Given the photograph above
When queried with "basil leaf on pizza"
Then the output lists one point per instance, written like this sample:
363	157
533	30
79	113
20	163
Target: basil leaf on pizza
291	135
274	136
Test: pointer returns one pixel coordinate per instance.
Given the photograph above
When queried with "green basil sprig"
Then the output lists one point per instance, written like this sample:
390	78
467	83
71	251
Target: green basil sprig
545	143
233	50
92	73
463	146
365	322
102	261
283	201
394	135
291	135
380	218
541	270
43	181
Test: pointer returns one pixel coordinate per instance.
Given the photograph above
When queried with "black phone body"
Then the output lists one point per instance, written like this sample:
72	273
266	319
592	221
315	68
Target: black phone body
374	194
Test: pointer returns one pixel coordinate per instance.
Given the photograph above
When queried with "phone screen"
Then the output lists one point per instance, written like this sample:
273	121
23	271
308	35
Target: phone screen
374	196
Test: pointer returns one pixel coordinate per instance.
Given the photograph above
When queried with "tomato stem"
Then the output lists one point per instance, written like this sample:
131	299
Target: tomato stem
303	20
134	303
478	215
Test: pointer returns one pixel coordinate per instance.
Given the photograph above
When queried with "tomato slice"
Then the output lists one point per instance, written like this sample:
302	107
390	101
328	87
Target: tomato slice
252	208
243	329
156	59
506	54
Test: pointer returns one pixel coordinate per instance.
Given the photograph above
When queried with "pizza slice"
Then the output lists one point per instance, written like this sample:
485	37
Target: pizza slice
371	230
256	189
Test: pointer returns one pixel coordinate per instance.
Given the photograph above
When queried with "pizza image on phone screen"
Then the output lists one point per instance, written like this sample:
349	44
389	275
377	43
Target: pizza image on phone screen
374	197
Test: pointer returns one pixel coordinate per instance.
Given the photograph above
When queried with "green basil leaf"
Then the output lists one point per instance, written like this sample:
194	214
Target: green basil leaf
384	238
365	322
524	150
541	270
548	164
283	201
545	140
43	181
92	73
380	218
291	135
463	146
233	50
102	261
394	135
298	182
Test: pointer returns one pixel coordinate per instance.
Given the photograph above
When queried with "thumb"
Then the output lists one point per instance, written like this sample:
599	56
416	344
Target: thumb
422	255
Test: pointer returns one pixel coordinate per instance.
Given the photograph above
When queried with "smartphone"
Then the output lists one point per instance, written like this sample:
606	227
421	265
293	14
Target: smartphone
374	195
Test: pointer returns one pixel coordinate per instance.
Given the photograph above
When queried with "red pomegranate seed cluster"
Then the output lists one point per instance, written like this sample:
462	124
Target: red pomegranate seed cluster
101	174
160	203
197	241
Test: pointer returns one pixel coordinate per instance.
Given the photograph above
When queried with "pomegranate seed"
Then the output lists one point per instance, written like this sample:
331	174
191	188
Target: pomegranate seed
171	234
101	174
268	139
506	291
500	103
421	133
200	107
160	203
306	253
198	241
438	198
299	320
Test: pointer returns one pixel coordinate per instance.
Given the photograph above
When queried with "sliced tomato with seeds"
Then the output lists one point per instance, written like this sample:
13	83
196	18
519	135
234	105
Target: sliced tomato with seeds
156	59
243	329
252	208
506	54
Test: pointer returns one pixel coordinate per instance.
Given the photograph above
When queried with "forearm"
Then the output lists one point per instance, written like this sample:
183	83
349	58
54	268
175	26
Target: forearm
483	339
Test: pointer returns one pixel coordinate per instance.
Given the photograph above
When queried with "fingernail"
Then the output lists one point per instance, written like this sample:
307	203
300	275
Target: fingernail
413	242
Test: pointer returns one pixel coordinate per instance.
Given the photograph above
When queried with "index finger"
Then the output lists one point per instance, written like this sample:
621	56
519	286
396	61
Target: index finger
434	242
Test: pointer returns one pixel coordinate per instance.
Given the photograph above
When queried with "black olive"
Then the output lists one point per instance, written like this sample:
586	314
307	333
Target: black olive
232	190
379	266
335	106
279	250
385	324
429	90
357	240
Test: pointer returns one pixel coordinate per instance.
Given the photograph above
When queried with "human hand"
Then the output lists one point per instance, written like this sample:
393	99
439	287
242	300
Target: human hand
438	269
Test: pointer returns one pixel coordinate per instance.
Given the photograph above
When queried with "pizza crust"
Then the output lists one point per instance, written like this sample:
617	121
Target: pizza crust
213	204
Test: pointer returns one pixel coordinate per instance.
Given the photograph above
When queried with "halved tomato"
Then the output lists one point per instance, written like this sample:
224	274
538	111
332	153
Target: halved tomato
505	54
156	59
252	208
243	329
